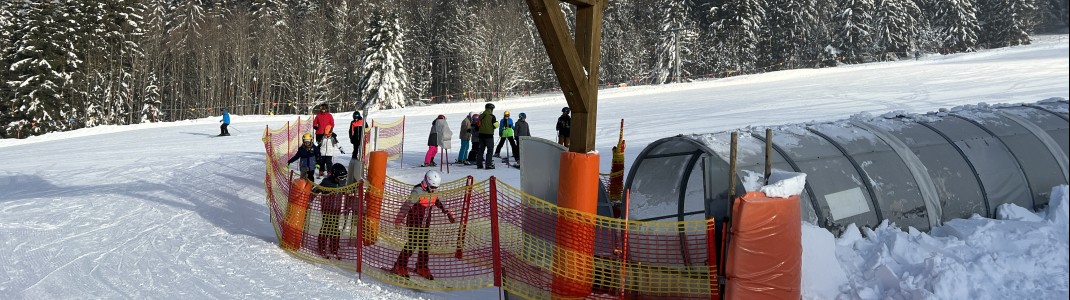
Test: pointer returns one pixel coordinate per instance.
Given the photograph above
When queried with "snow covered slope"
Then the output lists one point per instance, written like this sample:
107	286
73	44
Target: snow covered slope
167	211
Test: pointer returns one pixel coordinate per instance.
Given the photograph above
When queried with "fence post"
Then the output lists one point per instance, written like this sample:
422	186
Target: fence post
360	228
711	257
495	234
464	217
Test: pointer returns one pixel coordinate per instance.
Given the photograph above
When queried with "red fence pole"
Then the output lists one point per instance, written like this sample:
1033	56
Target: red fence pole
494	233
360	228
464	217
624	246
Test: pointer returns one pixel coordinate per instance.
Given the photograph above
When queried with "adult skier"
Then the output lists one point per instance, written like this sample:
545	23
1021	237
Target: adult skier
323	123
486	124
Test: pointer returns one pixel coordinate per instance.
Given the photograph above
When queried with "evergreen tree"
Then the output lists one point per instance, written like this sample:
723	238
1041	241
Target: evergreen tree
1005	22
451	33
896	28
185	23
795	37
150	109
956	23
498	34
10	15
853	32
383	80
39	67
738	29
622	43
677	32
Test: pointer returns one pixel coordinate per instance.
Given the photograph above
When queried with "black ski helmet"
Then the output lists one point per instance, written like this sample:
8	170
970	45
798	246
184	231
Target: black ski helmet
339	170
489	106
565	109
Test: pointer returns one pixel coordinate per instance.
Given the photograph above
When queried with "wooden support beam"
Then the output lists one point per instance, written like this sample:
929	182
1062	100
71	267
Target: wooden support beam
575	61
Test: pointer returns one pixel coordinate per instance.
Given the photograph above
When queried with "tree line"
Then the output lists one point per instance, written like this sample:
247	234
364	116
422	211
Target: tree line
70	64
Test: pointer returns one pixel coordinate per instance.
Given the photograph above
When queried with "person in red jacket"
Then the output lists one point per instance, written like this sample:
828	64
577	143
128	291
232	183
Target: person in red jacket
417	215
323	123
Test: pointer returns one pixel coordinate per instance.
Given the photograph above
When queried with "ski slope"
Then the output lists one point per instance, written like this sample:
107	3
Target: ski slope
168	211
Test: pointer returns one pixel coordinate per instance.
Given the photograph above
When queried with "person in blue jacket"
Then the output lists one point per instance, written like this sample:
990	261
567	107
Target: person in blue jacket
226	121
308	153
506	133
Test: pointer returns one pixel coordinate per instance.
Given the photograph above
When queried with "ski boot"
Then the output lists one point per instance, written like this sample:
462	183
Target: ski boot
401	271
425	273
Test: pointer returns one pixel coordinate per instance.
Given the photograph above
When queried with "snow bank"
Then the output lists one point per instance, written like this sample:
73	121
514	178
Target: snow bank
822	275
1012	257
785	184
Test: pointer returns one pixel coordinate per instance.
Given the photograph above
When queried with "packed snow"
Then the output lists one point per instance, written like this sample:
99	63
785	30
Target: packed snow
168	211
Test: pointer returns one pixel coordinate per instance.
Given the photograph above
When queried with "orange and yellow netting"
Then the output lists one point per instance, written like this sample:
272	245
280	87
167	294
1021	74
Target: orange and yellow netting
499	236
391	138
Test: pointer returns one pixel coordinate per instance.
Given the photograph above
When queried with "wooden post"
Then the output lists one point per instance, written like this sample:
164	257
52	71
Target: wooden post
768	154
576	66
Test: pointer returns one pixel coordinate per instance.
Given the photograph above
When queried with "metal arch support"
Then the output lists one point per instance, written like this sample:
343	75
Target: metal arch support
1061	116
917	170
1017	161
1053	147
858	168
969	163
795	167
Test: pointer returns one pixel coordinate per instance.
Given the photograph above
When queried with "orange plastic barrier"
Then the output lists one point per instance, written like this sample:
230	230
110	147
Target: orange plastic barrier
293	227
577	189
374	196
765	249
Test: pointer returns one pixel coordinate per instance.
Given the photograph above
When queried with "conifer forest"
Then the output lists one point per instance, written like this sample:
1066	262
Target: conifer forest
69	64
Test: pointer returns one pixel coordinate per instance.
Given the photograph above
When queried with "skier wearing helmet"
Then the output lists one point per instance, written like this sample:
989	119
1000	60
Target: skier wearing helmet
506	133
327	240
487	123
308	153
356	134
522	130
564	123
416	213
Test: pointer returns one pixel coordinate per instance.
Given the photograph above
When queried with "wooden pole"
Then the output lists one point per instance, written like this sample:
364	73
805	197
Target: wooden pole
768	154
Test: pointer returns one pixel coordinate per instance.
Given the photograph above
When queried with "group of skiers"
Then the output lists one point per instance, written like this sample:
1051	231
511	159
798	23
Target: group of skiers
320	155
316	152
479	130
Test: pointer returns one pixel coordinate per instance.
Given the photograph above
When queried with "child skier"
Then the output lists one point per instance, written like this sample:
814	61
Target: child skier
417	215
308	153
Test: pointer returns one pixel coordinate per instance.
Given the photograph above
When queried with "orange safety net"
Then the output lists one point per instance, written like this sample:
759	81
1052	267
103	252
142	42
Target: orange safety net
471	235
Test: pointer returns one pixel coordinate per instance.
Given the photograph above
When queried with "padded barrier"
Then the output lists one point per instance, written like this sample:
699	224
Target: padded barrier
765	252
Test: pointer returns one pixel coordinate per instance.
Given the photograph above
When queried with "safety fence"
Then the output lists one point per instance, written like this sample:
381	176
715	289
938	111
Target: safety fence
391	138
484	234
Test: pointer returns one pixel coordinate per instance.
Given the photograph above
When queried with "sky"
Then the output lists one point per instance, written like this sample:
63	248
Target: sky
168	211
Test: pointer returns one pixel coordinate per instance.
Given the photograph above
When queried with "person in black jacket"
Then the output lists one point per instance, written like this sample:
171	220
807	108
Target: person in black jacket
331	208
309	154
356	134
564	124
522	130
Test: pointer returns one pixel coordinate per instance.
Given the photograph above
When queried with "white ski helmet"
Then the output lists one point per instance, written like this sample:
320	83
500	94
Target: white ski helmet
432	179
